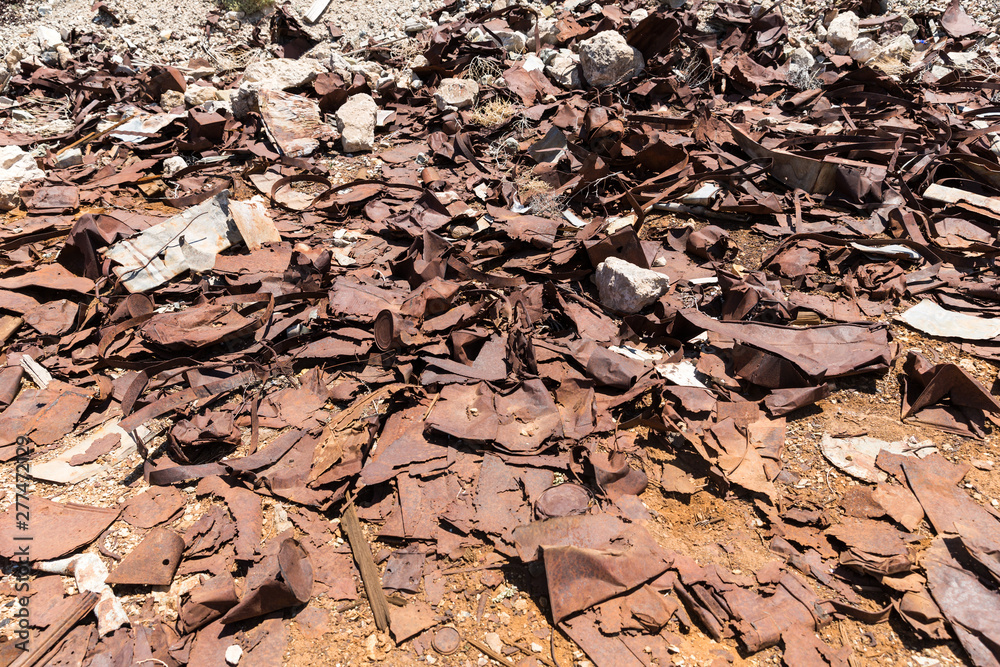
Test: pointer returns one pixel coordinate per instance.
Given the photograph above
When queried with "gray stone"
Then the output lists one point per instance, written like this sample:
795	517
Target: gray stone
564	69
548	33
195	96
512	40
900	47
800	68
910	28
606	58
16	167
21	115
863	49
842	31
221	107
456	93
356	123
172	165
627	288
70	158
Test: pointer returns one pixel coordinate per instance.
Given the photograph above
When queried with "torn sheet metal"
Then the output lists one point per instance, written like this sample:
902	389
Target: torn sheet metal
253	222
934	320
152	562
795	171
61	470
856	456
140	128
187	241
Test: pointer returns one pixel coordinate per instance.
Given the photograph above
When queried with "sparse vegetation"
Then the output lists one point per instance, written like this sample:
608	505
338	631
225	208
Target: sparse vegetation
493	113
247	6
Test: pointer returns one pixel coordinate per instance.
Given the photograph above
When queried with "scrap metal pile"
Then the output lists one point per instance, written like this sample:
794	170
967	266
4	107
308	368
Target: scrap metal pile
425	344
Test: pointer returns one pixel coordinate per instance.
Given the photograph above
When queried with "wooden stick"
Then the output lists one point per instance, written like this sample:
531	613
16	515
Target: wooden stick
93	135
56	631
488	651
8	326
366	565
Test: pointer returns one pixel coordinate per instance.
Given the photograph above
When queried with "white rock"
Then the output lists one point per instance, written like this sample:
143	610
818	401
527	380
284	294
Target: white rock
16	167
900	47
172	165
457	93
474	35
606	58
171	99
627	288
233	654
963	59
536	647
638	15
284	73
70	158
221	107
564	69
197	95
48	38
573	5
532	63
843	31
936	73
493	641
863	49
277	74
356	122
513	41
548	33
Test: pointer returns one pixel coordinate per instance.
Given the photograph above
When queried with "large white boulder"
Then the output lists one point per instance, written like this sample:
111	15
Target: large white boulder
456	93
627	288
842	31
606	58
356	123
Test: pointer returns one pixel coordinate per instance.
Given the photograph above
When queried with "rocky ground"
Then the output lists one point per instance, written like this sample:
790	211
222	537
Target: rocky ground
377	97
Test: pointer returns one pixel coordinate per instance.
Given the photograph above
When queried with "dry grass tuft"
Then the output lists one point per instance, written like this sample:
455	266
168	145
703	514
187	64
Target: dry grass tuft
247	6
494	113
537	195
